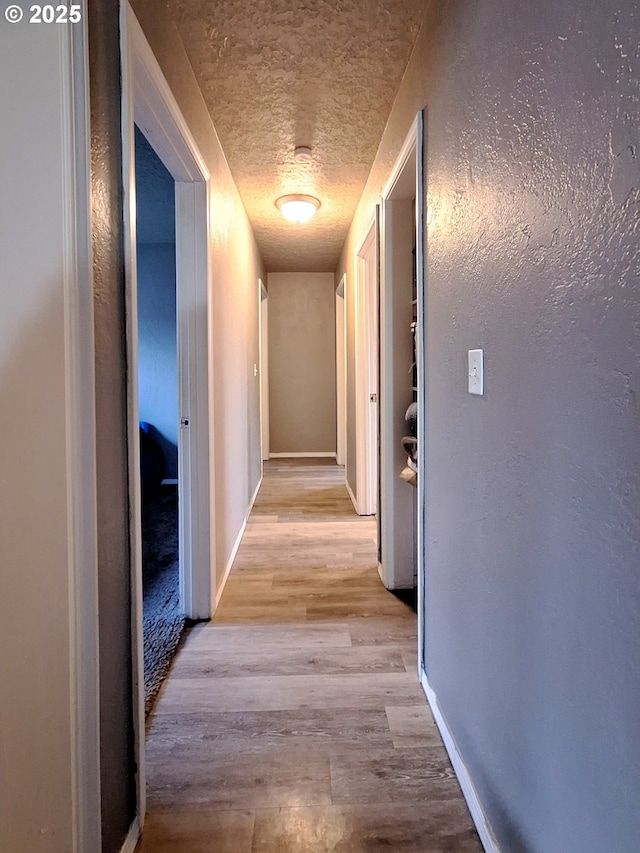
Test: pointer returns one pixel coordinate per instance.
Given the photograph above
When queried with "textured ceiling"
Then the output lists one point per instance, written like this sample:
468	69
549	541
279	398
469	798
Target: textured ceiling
276	74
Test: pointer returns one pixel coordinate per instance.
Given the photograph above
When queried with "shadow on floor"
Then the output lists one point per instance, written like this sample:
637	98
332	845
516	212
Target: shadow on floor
408	597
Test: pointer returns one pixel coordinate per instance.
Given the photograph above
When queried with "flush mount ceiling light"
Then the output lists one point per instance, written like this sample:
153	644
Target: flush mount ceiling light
297	208
302	154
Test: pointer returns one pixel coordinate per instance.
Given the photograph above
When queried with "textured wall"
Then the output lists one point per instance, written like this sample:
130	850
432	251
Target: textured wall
302	363
116	712
533	601
235	269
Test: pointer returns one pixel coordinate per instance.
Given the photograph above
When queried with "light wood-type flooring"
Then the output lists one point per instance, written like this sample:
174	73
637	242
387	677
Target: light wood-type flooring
293	722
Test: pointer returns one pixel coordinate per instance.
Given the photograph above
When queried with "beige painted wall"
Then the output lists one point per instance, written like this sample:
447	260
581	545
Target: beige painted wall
302	364
36	547
235	268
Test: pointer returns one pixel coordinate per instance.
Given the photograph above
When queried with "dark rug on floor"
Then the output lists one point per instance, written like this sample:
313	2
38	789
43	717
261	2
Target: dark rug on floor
163	622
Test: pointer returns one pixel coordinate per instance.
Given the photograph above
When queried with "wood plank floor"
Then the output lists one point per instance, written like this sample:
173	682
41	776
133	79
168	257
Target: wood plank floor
293	722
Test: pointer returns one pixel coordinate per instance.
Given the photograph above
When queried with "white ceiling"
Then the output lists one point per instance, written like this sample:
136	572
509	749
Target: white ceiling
278	73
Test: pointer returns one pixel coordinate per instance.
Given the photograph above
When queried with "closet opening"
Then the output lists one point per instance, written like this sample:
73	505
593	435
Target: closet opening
158	411
400	265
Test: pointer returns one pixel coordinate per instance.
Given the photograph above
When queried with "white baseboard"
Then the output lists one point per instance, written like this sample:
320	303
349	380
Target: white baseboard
236	545
351	495
480	820
330	454
133	836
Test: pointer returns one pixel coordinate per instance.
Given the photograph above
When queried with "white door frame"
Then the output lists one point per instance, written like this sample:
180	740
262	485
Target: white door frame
405	183
148	100
341	373
366	338
81	463
263	345
421	374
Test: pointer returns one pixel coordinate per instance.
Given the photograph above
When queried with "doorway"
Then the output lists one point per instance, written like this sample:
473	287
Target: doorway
263	345
341	375
367	359
401	365
163	615
148	101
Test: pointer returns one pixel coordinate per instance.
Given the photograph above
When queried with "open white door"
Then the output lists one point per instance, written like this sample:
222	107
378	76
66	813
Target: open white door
341	375
367	356
263	334
194	479
421	370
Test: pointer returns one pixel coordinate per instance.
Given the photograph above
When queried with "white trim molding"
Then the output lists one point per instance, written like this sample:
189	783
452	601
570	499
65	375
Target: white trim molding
263	355
406	152
133	836
133	432
236	545
366	368
157	112
351	495
311	454
478	815
421	375
195	477
81	443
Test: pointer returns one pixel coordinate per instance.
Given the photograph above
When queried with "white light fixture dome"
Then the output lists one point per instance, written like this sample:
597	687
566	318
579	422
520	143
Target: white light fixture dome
298	208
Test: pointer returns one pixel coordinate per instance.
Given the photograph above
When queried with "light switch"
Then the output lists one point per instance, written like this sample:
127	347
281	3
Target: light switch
476	373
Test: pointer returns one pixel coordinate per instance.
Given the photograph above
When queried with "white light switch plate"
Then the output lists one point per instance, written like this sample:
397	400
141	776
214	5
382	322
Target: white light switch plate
476	372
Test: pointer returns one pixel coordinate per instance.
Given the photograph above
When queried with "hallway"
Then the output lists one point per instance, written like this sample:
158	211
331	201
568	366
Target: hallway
294	720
